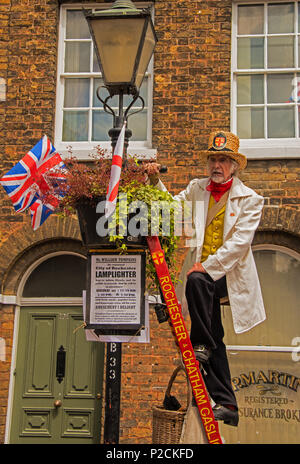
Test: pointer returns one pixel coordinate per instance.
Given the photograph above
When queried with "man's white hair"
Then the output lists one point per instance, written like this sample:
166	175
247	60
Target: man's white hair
235	165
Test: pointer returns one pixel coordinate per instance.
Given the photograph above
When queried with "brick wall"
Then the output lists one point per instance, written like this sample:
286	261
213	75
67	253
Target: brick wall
191	98
28	53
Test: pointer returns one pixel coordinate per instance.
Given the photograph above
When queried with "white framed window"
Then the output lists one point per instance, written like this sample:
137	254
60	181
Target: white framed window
265	92
81	123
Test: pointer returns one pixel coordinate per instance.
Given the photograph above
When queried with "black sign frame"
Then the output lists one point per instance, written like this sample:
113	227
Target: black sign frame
123	328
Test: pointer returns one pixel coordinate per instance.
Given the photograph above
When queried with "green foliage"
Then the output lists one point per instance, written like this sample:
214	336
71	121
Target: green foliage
152	199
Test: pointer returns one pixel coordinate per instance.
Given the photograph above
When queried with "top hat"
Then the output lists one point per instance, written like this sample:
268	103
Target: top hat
226	143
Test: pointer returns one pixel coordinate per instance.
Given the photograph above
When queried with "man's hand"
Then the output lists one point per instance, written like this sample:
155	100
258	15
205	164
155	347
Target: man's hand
152	170
197	267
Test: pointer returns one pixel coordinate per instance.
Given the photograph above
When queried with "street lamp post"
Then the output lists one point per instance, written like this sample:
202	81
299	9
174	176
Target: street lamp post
124	39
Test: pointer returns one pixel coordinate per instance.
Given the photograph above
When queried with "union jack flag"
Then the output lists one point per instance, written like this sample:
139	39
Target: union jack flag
28	183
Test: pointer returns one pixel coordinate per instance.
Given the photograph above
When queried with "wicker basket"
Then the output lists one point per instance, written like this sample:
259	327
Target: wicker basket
167	425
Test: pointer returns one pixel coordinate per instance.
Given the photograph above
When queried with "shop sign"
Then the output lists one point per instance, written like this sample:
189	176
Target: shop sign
273	395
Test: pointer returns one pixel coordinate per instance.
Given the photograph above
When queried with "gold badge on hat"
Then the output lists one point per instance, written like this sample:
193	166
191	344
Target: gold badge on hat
219	141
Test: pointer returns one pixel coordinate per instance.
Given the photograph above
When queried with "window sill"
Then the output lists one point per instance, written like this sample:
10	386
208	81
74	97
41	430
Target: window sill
84	151
275	149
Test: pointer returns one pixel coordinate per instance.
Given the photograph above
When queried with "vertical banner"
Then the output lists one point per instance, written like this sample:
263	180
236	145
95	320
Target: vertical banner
192	367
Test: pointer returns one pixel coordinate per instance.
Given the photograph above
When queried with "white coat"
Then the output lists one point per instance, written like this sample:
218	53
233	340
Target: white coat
234	258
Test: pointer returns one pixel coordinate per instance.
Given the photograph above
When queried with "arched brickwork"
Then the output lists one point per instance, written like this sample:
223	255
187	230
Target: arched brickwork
280	219
24	246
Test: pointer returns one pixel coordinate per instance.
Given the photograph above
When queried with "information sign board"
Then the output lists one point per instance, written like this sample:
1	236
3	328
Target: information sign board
115	302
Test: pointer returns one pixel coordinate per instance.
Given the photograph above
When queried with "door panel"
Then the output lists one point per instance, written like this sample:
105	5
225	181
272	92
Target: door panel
47	409
80	378
39	358
35	422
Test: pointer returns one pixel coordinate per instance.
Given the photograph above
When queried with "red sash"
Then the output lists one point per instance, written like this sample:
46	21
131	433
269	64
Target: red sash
192	366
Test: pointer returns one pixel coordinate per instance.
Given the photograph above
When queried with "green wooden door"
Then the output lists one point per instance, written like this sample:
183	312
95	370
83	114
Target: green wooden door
47	408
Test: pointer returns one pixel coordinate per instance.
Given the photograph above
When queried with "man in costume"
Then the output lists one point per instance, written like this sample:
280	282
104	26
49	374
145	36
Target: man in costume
221	264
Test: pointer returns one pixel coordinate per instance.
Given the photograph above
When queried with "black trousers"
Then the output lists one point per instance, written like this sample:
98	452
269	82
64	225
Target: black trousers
203	296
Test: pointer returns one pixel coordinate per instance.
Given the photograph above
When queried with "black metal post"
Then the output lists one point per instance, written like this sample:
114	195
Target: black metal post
119	120
112	393
114	350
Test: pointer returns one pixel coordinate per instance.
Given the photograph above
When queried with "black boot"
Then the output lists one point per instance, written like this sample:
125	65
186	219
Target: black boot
202	353
229	416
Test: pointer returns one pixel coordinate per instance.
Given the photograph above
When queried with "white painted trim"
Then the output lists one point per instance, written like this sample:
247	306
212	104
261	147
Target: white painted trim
51	301
57	301
2	89
83	152
269	149
282	249
8	299
12	377
275	349
34	266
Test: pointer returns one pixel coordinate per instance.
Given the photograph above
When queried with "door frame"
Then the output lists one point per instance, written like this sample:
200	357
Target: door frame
23	302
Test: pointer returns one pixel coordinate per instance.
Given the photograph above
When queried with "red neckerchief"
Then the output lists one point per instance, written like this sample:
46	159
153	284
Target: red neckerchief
217	190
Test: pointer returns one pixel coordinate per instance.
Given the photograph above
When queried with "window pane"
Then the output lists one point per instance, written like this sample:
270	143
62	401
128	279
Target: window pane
144	91
281	122
112	102
138	124
96	67
102	122
281	18
60	276
280	88
77	93
279	278
77	26
250	53
250	89
143	94
251	19
250	123
75	126
77	58
280	52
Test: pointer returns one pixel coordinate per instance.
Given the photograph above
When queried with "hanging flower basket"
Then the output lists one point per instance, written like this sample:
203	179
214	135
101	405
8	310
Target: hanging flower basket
86	185
94	227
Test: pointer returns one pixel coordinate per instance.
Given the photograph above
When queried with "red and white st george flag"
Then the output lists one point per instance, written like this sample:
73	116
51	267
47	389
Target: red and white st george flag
115	174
